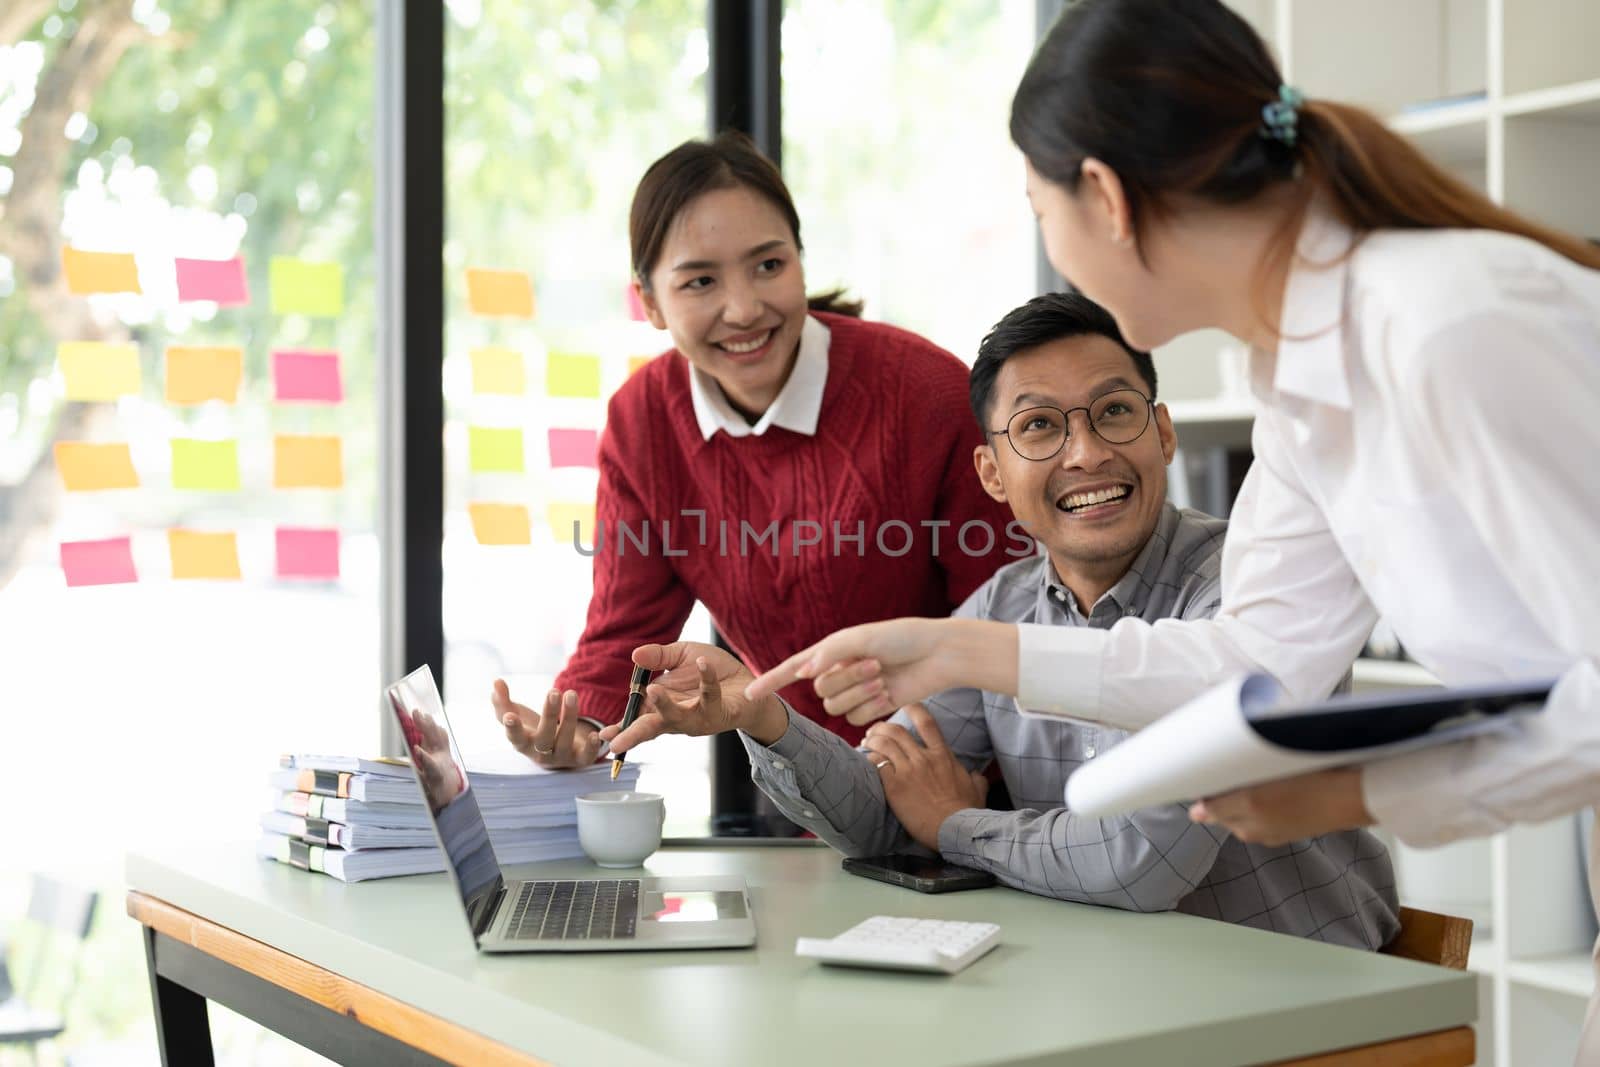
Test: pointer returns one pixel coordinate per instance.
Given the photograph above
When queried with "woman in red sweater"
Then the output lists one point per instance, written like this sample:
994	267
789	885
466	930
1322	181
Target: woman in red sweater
795	468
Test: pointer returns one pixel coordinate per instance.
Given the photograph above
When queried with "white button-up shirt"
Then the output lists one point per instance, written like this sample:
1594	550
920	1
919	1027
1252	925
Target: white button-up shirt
797	405
1427	447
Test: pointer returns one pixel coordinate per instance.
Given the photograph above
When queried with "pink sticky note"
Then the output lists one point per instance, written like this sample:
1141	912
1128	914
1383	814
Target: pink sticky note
635	305
221	280
306	376
574	448
107	562
308	553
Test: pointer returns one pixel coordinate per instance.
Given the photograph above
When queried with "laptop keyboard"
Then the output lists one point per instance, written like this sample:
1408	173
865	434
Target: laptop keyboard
575	910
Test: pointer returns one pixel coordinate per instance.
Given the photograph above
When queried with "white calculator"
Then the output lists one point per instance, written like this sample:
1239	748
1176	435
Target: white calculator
939	946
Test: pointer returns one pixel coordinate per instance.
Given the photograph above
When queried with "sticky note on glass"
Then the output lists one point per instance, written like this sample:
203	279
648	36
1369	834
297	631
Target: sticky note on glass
501	524
108	562
569	375
494	451
563	514
88	467
306	377
499	292
204	555
95	371
636	363
218	280
197	374
574	448
99	272
498	370
305	553
205	465
302	287
307	461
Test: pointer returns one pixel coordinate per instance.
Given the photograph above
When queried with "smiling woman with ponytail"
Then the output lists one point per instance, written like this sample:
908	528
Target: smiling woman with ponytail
1426	372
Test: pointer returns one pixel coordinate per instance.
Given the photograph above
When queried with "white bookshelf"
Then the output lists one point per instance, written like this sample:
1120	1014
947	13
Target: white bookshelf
1505	94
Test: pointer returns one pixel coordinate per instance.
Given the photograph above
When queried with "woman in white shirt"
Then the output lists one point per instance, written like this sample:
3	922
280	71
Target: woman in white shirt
1426	370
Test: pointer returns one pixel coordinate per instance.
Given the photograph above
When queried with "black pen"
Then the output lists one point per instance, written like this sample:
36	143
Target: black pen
641	678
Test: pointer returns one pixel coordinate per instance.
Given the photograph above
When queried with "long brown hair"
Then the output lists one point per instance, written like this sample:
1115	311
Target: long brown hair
1169	94
728	161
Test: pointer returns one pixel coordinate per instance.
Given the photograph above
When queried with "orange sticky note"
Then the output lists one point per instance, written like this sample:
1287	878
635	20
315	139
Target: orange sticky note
97	371
203	555
86	467
563	514
635	363
499	292
99	272
500	524
498	370
197	374
307	461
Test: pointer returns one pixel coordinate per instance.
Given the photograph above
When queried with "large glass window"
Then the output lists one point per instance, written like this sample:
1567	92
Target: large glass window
188	547
553	111
895	145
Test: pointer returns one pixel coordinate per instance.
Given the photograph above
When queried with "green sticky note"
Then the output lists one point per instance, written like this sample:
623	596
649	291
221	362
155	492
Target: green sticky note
302	287
208	465
569	375
494	451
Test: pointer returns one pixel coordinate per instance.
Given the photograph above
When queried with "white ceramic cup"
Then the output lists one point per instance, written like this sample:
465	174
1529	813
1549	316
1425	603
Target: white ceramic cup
620	828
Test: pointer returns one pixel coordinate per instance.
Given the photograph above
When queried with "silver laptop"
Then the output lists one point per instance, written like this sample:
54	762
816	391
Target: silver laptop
551	914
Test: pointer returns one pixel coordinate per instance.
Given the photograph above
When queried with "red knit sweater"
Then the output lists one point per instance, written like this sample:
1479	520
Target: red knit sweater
894	441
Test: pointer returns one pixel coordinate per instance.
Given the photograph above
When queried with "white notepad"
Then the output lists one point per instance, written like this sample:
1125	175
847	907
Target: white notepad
1242	733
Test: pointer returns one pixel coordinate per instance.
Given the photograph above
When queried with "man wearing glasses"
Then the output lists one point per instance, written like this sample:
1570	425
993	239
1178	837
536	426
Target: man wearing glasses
1078	447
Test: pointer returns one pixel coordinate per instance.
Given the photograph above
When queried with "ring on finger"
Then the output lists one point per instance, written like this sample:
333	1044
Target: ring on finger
881	764
545	751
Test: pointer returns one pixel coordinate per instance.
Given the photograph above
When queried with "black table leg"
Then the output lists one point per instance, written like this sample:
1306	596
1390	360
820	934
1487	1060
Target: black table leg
183	1029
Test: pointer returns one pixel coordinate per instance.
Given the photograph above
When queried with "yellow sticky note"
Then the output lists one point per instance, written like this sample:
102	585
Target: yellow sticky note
203	555
86	467
95	370
206	465
500	524
499	292
562	514
307	461
99	272
569	375
198	374
300	286
493	450
635	362
498	370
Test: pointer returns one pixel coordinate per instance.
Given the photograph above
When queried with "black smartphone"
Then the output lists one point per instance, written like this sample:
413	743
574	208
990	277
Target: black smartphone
919	873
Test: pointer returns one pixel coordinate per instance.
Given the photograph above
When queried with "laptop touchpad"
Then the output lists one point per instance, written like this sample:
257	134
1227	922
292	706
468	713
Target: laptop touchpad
690	906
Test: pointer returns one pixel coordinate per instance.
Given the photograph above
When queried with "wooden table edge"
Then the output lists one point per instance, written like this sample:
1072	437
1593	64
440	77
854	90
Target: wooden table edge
377	1011
1456	1047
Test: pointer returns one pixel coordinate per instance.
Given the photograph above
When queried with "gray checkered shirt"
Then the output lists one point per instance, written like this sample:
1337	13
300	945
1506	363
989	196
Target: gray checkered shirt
1338	887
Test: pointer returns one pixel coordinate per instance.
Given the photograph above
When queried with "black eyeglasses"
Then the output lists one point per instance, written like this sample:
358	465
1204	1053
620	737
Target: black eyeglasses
1039	433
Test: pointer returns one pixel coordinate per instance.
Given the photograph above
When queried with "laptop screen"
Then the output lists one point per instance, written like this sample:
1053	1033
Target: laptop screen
452	805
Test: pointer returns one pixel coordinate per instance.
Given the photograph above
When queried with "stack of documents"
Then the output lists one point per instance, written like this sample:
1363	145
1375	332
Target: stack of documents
357	819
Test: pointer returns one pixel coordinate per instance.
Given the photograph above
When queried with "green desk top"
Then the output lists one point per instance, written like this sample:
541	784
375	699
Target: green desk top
1068	983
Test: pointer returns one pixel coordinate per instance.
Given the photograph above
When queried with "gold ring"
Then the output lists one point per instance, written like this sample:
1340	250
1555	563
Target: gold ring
545	751
881	765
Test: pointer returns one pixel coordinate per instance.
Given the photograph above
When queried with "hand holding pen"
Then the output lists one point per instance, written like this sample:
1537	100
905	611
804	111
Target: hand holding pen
701	692
636	694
